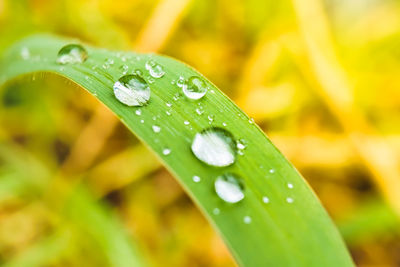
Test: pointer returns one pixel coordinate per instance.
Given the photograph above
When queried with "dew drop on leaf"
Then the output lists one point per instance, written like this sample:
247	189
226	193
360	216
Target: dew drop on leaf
155	69
247	219
196	179
132	90
25	53
166	151
216	211
229	187
195	88
265	199
156	128
214	146
72	54
289	200
180	82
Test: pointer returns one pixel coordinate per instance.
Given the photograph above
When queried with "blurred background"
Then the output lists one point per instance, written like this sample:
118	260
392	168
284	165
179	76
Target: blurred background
321	77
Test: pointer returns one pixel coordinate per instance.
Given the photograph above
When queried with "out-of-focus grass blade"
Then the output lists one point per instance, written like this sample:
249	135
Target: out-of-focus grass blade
95	220
291	229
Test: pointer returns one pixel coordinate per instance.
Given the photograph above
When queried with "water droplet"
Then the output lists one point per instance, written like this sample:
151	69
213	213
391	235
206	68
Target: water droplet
271	171
214	146
156	128
141	121
229	187
195	88
25	53
124	69
216	211
196	179
138	72
138	112
186	122
166	151
180	82
155	69
72	54
247	219
176	97
132	90
168	112
289	200
290	185
251	121
265	199
224	124
199	110
210	118
241	144
108	62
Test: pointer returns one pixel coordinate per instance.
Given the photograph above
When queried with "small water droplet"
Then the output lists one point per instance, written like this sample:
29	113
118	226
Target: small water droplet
166	151
210	118
214	146
132	90
155	69
180	82
25	53
251	121
216	211
265	199
156	128
289	200
176	97
271	171
196	179
168	104
141	121
124	69
138	112
168	112
224	124
247	219
290	185
241	144
72	54
186	122
229	187
200	110
195	88
108	62
138	72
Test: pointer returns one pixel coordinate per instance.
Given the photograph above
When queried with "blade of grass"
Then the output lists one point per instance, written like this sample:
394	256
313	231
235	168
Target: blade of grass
280	233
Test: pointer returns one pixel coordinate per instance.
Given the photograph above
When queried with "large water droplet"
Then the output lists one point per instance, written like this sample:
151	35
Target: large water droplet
132	90
195	88
155	69
229	187
72	54
214	146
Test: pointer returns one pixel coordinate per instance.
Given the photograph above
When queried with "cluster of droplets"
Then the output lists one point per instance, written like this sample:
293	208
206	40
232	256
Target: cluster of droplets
213	146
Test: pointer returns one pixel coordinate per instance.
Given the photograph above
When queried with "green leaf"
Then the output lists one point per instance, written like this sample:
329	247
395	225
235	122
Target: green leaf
278	233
